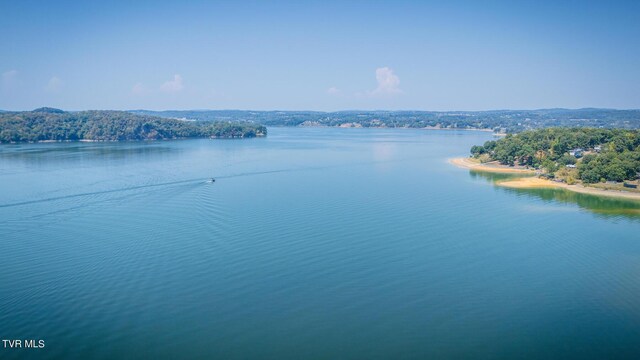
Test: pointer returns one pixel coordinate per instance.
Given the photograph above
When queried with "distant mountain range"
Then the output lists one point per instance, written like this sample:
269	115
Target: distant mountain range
496	120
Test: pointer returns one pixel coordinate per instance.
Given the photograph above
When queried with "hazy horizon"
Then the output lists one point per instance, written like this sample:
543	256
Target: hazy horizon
331	111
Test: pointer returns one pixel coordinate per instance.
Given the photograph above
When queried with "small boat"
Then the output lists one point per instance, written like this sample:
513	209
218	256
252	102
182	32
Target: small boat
212	180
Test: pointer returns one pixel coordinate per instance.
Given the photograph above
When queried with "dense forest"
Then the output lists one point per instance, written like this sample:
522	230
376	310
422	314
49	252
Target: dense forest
570	154
47	124
510	121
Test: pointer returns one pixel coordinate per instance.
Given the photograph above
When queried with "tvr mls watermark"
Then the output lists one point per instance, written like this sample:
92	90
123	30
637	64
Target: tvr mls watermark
22	344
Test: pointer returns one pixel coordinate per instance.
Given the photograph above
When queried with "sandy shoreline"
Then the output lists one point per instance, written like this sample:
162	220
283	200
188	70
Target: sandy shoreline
537	183
533	182
469	163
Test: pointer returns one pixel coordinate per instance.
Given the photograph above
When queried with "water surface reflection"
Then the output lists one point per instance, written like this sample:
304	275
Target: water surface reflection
602	206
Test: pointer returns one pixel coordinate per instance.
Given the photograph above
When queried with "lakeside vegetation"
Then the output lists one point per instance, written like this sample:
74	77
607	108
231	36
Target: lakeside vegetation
571	155
47	124
504	121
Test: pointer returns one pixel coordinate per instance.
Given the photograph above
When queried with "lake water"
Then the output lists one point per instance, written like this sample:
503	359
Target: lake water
312	243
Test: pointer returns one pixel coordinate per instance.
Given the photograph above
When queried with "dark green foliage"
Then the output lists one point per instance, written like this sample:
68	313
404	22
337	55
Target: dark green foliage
548	149
47	124
610	166
567	159
49	110
478	150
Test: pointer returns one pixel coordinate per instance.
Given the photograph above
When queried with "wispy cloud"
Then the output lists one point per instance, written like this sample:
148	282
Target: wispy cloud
333	91
173	86
139	89
388	82
54	84
9	75
9	78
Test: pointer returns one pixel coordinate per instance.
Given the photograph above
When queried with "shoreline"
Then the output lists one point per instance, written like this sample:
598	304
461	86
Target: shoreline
131	140
537	183
493	167
533	182
383	127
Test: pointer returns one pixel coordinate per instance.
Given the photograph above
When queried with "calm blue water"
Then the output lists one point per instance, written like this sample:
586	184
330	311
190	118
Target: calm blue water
312	243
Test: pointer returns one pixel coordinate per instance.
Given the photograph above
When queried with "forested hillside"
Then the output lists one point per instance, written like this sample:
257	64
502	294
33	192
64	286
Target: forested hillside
571	154
47	124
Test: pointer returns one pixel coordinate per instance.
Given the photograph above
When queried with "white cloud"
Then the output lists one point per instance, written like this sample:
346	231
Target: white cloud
139	89
173	86
9	75
388	82
333	90
9	78
54	84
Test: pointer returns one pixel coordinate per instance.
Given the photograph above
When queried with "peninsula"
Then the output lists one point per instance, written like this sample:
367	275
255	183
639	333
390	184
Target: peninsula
603	162
48	124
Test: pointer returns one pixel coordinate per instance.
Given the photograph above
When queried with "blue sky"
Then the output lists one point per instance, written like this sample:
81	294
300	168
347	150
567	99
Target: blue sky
319	55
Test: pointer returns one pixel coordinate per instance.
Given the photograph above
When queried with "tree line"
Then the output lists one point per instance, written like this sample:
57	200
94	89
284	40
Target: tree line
510	121
586	154
47	124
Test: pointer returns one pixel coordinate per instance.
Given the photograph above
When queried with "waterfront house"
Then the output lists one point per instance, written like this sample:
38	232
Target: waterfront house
576	152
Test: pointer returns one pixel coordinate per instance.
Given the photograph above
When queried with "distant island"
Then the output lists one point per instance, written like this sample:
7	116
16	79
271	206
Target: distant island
606	160
499	121
48	124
